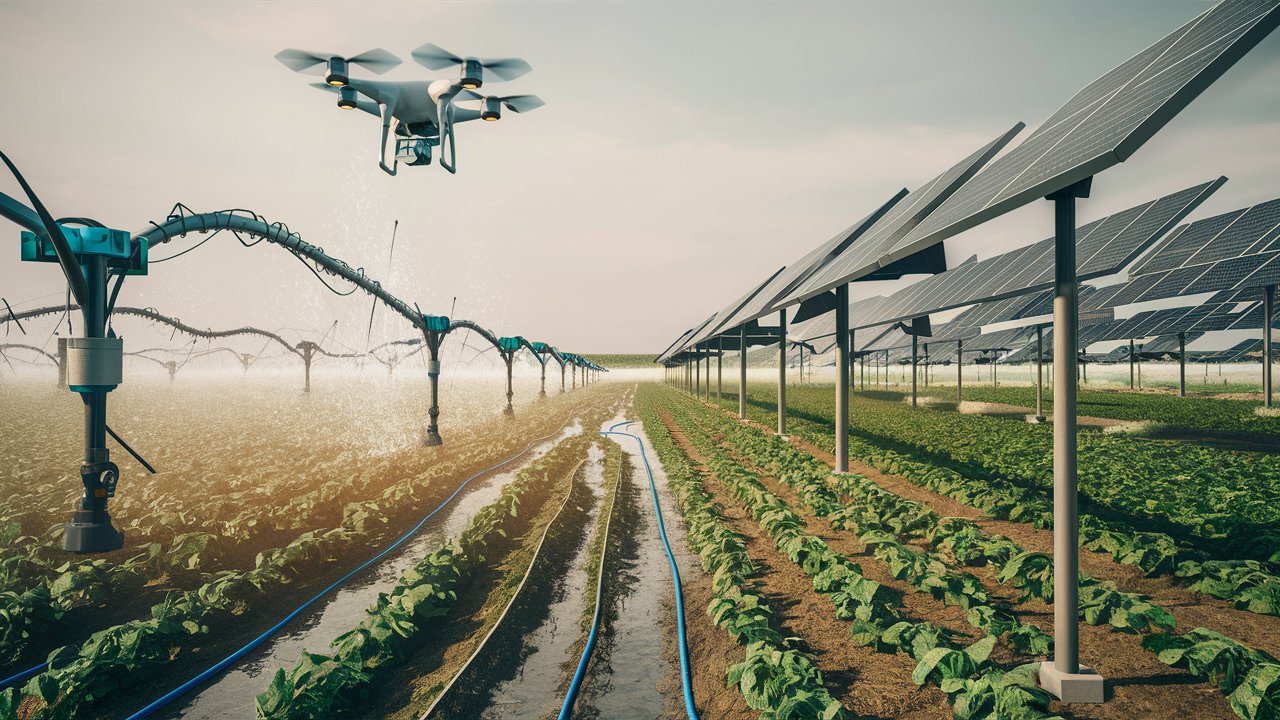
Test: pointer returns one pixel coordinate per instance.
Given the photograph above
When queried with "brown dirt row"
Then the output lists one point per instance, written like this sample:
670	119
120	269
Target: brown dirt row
1139	685
868	683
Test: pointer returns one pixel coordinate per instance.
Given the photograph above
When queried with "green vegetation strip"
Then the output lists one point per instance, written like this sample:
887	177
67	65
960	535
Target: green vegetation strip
325	685
775	678
973	683
1251	678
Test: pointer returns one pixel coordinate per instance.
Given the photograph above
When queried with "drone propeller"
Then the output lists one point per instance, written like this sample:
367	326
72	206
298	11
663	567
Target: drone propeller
434	57
348	98
490	109
376	60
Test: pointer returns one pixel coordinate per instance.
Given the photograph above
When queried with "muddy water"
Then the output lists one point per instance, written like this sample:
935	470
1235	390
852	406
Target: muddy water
536	689
639	650
232	694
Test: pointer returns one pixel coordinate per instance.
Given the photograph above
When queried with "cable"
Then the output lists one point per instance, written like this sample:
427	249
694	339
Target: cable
685	681
566	710
29	672
231	659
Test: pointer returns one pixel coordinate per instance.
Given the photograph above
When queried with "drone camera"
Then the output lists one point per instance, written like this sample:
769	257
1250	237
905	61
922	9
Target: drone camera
472	74
491	110
347	97
336	73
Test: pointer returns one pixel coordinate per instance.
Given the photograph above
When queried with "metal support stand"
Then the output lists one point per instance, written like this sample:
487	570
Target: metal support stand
959	371
742	372
1064	676
433	374
782	371
542	392
1040	373
1182	364
90	528
1132	385
842	378
1268	314
915	369
509	357
720	371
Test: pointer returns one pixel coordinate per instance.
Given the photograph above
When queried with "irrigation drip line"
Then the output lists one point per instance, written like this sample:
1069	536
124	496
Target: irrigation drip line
511	602
566	710
685	681
169	697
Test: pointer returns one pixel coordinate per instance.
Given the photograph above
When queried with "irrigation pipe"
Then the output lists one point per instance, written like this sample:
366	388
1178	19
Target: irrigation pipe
234	657
566	710
685	681
514	596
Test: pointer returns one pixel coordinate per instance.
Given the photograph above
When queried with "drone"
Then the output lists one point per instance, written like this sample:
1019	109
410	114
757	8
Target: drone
419	114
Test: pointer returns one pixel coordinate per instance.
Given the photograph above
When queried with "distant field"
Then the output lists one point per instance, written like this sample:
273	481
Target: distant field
623	361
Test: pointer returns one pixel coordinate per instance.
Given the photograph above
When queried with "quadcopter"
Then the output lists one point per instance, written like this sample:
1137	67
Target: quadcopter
419	114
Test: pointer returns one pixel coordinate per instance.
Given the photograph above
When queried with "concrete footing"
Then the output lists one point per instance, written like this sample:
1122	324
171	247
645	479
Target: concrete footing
1085	686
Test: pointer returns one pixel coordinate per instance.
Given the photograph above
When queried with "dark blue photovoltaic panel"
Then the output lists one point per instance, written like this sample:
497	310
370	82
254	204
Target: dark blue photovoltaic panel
860	258
1105	122
1104	248
1240	236
1226	274
1172	283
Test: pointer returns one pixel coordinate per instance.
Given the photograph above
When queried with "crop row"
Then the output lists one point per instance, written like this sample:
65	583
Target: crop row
41	585
1250	677
1192	412
974	684
325	685
775	678
120	656
1249	584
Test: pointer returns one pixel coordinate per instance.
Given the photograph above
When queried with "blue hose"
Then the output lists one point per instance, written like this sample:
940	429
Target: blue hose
15	679
231	659
686	683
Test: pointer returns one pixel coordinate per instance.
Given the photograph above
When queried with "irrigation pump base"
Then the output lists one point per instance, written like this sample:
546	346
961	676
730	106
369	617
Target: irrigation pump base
1085	686
87	534
432	439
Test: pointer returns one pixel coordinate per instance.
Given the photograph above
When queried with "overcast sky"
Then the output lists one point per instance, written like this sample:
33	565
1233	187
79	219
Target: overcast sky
685	152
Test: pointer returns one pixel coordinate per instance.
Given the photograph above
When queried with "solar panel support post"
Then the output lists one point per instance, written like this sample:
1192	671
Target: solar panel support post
697	374
1131	365
959	371
1040	372
853	336
842	378
915	368
1182	364
782	371
720	370
1268	311
742	373
1064	676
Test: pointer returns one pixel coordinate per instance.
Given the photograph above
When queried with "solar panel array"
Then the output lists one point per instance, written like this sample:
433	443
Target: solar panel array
1103	124
1106	121
1103	247
862	257
1234	251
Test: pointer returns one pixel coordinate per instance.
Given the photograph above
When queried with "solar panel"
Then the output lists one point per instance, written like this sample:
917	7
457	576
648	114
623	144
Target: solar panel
728	312
1105	246
1224	252
860	258
1105	122
766	300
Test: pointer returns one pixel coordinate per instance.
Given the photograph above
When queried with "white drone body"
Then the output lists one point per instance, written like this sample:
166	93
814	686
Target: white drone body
419	114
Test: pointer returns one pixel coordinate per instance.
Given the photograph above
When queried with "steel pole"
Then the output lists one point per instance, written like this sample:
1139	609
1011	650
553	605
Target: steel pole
433	375
720	370
1182	364
842	378
1040	371
959	370
1131	366
1268	311
782	371
742	372
1063	676
915	369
